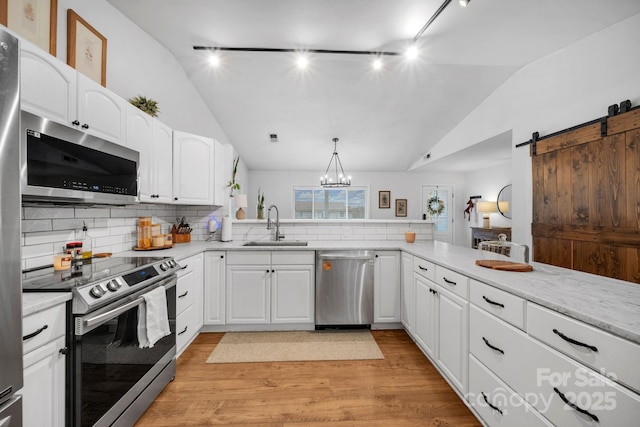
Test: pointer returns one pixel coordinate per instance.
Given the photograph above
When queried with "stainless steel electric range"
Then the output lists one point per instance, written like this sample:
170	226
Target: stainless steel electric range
110	379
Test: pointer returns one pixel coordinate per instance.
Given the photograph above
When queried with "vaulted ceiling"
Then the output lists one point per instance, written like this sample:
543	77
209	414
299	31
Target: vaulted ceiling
385	119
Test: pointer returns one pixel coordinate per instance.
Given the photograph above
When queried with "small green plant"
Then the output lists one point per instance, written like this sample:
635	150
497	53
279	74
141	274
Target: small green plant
260	199
147	105
232	184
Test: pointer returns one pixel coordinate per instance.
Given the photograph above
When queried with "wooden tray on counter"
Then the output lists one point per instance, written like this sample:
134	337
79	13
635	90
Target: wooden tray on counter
504	265
152	248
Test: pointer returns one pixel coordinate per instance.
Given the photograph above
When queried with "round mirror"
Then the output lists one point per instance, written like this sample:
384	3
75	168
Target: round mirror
504	201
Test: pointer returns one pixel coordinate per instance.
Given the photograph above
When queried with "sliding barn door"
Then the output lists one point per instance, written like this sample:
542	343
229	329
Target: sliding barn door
586	198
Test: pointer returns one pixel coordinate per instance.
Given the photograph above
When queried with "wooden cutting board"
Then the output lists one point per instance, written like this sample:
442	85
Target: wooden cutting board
503	265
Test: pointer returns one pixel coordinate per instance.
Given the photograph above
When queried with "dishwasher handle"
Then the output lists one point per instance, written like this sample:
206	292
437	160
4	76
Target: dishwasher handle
335	256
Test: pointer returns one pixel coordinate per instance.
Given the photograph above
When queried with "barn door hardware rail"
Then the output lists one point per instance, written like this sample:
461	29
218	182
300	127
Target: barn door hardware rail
612	110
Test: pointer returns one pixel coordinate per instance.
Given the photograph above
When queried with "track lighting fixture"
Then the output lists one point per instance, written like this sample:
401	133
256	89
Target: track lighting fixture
464	3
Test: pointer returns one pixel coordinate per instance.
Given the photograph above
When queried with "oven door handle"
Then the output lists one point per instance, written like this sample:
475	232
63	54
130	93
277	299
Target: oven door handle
103	317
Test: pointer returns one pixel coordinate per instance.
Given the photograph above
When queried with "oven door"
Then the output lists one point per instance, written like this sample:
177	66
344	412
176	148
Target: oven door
110	369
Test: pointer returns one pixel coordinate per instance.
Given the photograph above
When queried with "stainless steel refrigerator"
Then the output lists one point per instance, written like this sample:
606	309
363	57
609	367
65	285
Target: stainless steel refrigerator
10	287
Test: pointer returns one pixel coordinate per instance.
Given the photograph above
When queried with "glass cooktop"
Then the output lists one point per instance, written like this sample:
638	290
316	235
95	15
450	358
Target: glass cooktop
83	273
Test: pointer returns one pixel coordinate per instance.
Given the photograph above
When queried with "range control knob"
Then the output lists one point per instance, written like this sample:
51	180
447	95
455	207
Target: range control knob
113	285
164	266
172	263
97	291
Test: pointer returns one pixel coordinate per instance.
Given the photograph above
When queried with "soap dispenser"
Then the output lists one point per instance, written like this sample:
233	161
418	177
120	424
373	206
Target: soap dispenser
87	242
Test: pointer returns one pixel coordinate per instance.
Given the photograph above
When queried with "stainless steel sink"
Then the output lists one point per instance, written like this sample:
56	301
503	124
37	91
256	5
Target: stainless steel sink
274	243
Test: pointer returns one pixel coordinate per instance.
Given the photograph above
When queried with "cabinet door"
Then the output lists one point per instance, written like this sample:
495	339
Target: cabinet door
214	288
220	158
48	86
425	331
453	332
248	294
139	138
386	288
101	112
43	393
194	273
192	169
292	294
162	162
407	292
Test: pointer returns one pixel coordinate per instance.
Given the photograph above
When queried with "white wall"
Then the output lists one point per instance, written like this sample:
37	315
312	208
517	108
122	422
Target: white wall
566	88
137	64
278	190
486	182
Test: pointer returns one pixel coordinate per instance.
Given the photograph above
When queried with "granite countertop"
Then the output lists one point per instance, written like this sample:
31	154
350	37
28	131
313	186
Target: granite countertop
609	304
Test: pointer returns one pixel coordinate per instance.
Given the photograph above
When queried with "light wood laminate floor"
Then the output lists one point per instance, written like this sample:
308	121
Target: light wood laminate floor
404	389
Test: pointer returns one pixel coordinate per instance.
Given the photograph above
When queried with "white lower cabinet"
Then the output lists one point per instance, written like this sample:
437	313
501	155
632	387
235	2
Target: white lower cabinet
453	331
426	305
248	294
292	294
189	307
43	394
214	288
386	287
407	293
496	402
264	287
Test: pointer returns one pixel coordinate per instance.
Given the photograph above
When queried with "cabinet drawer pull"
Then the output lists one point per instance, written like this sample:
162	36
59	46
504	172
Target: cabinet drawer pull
572	341
422	268
574	406
448	281
492	302
495	408
64	351
85	126
183	331
33	334
75	123
185	267
492	347
433	291
183	295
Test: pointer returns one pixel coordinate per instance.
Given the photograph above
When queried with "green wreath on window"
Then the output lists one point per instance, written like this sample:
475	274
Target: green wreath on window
435	206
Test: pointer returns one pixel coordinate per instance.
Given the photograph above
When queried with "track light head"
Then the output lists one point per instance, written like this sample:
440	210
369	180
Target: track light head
464	3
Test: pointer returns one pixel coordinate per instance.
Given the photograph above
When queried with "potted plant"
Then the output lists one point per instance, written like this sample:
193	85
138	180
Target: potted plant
260	205
232	184
147	105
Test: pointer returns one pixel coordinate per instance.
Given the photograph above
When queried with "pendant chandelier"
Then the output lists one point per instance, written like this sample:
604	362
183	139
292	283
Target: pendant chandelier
334	176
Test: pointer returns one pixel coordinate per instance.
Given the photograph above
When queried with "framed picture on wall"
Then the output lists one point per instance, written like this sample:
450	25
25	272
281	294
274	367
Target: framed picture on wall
384	199
401	207
35	20
86	48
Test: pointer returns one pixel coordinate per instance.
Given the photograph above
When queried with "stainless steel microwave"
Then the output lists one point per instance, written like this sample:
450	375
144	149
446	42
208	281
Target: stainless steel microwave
64	165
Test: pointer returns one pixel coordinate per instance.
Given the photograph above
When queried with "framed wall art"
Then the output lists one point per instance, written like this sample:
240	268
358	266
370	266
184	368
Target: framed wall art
401	207
86	48
35	20
384	199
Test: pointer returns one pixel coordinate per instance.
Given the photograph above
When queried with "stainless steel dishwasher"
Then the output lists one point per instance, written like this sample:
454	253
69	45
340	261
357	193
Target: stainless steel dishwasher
344	289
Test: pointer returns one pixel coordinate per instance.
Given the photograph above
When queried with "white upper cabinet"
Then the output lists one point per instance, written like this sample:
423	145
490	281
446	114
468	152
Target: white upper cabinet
100	111
48	85
193	169
221	159
154	141
162	162
54	90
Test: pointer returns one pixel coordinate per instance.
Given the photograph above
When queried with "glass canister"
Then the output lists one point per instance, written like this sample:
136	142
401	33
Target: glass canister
144	232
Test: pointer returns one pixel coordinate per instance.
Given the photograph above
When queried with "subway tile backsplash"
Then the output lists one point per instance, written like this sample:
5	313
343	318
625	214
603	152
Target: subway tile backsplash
46	229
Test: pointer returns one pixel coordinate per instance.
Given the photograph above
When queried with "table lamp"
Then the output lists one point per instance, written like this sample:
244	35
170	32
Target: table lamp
486	208
240	201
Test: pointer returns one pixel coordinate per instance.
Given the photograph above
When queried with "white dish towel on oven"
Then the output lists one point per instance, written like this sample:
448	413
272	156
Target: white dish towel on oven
153	320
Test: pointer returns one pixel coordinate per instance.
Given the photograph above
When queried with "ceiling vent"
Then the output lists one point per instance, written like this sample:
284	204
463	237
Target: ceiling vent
273	137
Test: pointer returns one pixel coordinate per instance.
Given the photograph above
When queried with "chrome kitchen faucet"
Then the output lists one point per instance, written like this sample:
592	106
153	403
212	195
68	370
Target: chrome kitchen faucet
278	235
